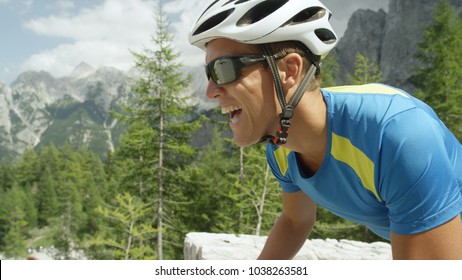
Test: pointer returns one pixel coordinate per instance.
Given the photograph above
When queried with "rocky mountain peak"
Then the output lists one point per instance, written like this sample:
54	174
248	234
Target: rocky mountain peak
81	71
364	35
391	39
32	76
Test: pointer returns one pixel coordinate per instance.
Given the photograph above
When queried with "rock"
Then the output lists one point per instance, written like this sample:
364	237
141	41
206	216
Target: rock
81	71
209	246
360	37
390	39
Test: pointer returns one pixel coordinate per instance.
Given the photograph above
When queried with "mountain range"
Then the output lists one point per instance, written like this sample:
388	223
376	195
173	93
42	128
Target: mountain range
38	109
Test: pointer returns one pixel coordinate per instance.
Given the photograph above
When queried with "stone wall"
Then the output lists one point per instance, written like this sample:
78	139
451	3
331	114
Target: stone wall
209	246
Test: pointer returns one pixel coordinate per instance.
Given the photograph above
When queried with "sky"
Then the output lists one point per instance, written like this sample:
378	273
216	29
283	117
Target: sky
57	35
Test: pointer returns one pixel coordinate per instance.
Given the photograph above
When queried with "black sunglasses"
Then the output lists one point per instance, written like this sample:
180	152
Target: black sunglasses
227	69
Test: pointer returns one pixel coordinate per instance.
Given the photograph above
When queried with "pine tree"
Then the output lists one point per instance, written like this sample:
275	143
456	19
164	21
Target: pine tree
329	71
92	192
366	71
68	181
127	236
7	177
211	189
439	77
159	125
233	190
29	208
14	242
15	239
47	203
262	192
26	170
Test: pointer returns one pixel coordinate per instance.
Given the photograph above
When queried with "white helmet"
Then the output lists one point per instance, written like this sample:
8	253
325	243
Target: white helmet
266	21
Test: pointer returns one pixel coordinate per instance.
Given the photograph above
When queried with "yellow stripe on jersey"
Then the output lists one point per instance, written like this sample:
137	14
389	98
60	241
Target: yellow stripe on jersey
281	155
343	150
368	88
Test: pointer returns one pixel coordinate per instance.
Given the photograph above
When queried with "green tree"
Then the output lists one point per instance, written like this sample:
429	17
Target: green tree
14	242
70	179
329	71
6	177
158	120
234	191
366	71
56	189
262	194
47	203
26	171
94	188
212	206
15	239
439	77
29	208
130	238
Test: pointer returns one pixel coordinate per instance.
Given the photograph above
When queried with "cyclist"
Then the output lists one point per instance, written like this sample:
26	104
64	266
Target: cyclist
371	154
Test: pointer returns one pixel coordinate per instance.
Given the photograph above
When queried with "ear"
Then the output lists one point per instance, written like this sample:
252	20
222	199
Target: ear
290	70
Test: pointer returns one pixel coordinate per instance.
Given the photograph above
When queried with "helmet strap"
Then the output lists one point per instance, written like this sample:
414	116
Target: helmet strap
287	107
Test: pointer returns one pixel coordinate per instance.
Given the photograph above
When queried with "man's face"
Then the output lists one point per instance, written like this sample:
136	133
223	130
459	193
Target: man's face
250	100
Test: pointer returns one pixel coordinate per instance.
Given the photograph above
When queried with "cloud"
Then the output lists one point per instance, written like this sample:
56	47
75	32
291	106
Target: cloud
62	60
65	5
185	12
102	35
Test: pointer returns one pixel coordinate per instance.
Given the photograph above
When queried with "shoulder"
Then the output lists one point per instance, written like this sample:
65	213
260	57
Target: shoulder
367	105
375	88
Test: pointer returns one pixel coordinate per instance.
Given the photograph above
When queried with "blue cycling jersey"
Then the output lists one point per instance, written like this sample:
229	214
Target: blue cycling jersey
390	164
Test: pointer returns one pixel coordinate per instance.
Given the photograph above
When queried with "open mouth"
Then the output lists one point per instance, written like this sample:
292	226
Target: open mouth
234	112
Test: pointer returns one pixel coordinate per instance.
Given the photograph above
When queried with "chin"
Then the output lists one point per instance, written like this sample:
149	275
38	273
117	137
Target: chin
243	142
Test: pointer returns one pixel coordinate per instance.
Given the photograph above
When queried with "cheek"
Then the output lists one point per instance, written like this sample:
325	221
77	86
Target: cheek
256	93
269	94
264	108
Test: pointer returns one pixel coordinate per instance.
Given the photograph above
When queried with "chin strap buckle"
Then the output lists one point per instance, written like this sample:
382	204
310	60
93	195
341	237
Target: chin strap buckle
282	133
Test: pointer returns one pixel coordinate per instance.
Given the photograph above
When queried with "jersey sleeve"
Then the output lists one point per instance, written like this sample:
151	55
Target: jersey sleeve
278	161
418	183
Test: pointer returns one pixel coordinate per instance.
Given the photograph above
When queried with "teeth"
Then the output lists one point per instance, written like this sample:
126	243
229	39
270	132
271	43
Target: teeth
226	110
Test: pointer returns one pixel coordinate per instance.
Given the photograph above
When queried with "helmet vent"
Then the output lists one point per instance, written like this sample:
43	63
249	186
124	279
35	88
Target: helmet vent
325	35
237	2
260	11
213	21
241	1
307	15
230	1
208	8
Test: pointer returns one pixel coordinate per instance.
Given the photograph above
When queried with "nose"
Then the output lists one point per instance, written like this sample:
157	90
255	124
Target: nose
214	91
